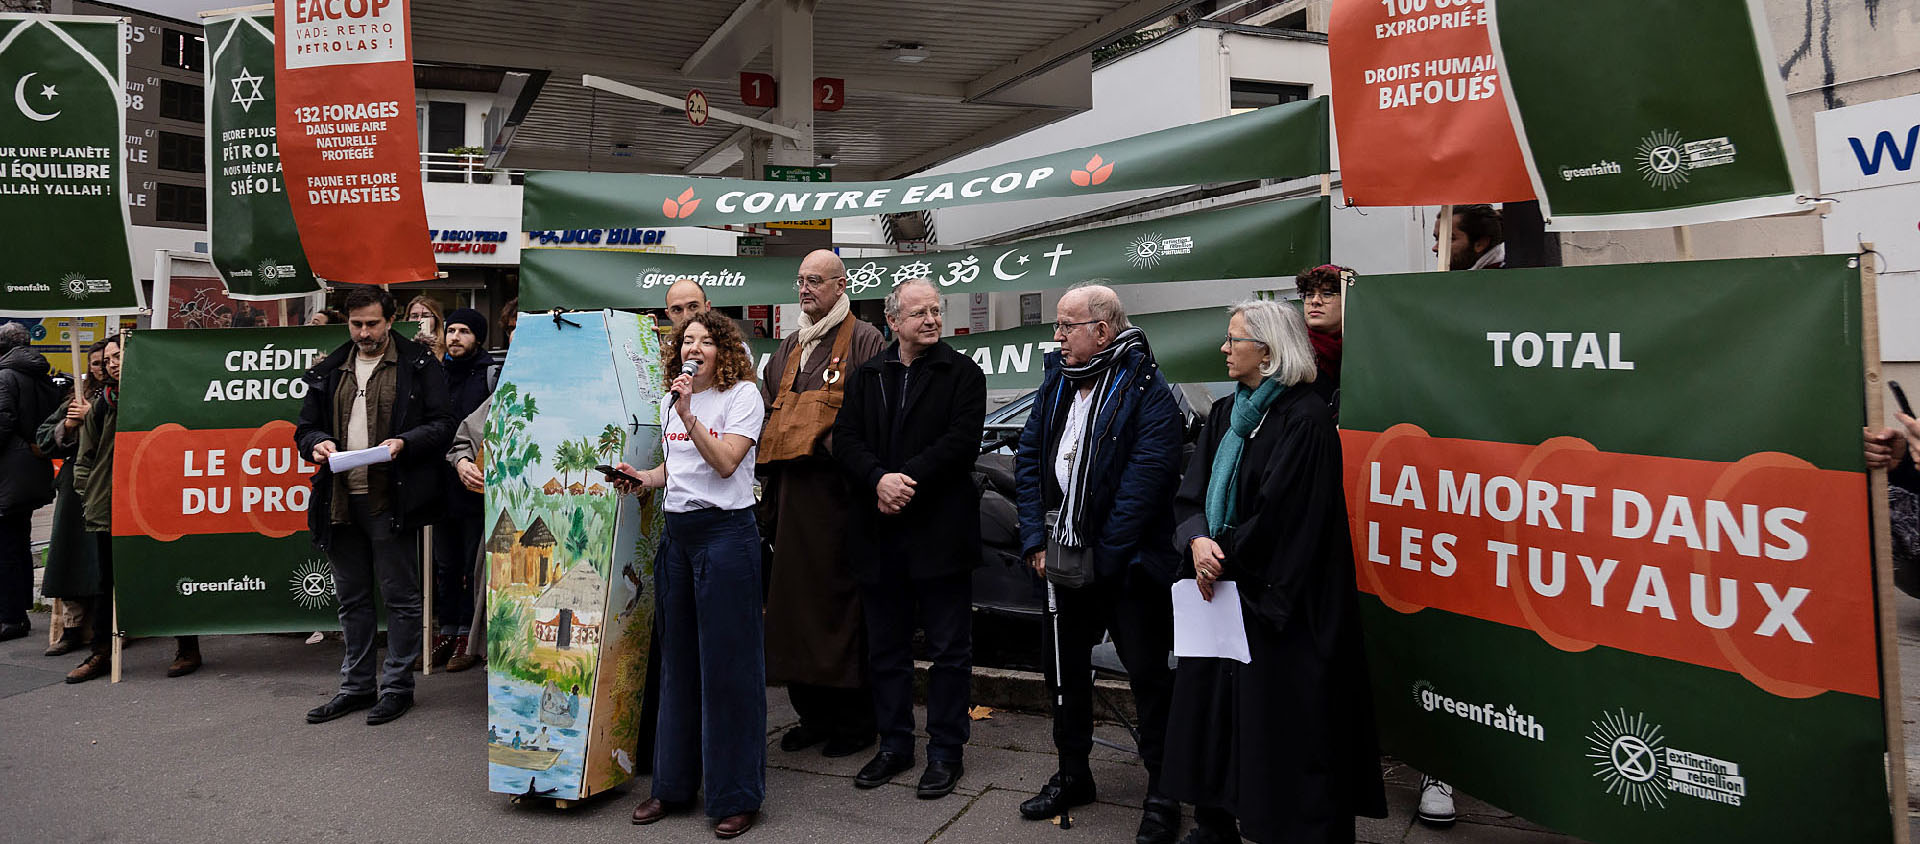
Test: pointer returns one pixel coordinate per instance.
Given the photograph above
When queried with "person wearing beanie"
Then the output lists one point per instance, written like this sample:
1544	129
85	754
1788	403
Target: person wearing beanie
456	539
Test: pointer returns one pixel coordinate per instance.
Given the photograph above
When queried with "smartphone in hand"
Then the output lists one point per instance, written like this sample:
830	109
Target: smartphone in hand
615	474
1900	396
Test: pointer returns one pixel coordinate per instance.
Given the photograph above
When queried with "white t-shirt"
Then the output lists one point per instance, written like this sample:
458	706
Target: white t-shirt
358	426
1068	453
691	483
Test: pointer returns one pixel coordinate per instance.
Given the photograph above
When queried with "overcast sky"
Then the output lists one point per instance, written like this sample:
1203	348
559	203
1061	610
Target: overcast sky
186	10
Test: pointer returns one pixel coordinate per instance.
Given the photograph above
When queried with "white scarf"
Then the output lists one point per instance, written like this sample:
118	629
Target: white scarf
811	333
1495	257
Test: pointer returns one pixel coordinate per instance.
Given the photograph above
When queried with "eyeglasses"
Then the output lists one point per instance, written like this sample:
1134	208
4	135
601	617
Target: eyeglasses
1232	340
1068	327
1320	296
813	282
923	313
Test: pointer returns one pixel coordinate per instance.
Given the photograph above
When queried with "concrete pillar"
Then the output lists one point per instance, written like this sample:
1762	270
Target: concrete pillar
793	67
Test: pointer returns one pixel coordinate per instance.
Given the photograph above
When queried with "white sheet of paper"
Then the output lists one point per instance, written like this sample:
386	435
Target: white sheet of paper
342	461
1209	628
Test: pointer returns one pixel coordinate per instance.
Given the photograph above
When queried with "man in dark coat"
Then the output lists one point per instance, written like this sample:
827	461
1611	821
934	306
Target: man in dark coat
72	575
1101	449
377	390
907	436
27	394
816	634
456	539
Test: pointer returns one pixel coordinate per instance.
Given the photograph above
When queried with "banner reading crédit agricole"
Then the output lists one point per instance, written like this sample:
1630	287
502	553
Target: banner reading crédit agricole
210	494
1615	559
349	141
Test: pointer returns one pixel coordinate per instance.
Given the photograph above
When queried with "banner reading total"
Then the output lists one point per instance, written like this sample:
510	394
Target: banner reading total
210	494
1615	560
1661	112
1277	142
1267	239
349	141
1419	106
63	178
256	247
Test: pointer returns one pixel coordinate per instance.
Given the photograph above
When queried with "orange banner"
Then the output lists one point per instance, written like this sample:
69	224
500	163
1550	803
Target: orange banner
188	482
1760	566
1419	109
349	140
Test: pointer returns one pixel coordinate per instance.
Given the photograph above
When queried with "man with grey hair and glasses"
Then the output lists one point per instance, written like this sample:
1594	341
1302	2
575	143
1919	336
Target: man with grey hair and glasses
1096	470
907	437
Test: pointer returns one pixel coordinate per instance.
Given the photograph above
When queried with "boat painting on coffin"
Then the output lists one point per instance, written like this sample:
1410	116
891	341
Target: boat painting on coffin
569	570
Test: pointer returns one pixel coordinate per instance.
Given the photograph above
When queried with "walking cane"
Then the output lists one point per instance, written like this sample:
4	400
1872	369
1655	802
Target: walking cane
1059	678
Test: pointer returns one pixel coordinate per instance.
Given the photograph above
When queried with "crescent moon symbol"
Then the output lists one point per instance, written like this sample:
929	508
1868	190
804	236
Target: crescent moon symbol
20	99
996	266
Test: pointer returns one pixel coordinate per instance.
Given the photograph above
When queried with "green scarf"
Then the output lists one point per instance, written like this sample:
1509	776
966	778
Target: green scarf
1223	485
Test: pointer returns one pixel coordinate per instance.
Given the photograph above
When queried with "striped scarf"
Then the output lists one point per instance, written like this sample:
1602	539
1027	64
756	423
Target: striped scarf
1100	372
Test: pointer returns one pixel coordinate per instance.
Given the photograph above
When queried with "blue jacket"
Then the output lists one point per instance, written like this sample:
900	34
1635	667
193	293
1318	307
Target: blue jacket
1129	510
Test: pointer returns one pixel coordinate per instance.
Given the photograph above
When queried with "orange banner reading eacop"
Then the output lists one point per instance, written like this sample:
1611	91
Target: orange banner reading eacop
1761	566
188	482
1418	106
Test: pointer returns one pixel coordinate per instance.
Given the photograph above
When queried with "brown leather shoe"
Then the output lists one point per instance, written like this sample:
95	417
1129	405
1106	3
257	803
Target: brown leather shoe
184	662
736	825
652	810
96	665
462	662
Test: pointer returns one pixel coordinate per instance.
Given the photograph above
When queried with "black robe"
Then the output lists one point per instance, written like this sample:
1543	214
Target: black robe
1286	743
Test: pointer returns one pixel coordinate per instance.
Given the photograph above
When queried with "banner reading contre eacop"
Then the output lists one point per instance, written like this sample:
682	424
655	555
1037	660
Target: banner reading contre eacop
210	495
1615	560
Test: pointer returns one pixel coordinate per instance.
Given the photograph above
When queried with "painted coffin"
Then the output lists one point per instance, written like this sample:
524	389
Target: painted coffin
569	562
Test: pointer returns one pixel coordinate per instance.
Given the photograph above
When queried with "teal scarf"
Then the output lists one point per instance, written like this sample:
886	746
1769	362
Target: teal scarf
1223	485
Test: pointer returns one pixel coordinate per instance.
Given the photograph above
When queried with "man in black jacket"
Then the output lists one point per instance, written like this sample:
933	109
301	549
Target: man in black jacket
27	395
907	436
456	539
377	390
1102	450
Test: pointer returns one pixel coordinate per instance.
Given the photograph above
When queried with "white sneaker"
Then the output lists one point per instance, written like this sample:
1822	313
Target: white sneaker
1436	802
316	638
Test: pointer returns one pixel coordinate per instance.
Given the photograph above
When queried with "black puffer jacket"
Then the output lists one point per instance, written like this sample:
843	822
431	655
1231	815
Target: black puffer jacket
28	394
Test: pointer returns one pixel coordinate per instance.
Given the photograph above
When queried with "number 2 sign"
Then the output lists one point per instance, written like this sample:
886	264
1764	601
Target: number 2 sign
829	93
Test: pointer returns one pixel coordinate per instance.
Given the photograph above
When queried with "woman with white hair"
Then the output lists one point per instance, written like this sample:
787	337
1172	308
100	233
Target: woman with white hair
1281	748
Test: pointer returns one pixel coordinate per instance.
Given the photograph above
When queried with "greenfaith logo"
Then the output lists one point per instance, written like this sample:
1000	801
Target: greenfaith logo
312	584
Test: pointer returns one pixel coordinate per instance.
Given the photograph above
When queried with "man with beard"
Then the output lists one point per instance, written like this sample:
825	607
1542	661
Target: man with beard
456	539
376	390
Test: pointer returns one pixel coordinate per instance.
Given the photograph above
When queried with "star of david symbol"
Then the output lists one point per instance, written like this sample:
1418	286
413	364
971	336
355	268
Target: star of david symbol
1633	758
246	98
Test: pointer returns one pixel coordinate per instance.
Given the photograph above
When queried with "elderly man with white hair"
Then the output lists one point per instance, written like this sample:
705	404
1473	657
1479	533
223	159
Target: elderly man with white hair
1096	471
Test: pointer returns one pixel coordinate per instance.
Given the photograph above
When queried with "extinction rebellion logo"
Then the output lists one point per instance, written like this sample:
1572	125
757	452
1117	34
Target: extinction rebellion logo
312	584
1509	719
1667	161
270	270
1632	757
1146	251
78	286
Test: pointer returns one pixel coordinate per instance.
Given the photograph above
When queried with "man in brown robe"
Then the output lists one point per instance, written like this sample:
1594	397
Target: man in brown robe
816	640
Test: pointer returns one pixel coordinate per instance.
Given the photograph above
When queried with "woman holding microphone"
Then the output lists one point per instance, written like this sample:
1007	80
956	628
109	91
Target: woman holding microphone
713	696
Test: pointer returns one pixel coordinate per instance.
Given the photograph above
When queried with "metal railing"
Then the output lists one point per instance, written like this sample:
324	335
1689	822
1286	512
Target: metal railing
465	169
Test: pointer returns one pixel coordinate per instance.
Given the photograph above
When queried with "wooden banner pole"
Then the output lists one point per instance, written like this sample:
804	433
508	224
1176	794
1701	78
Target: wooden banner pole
1683	242
426	600
1891	694
1443	241
118	640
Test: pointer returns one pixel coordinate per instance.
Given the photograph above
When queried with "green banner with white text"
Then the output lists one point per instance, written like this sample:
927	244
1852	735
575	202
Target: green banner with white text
63	175
1659	113
210	495
1278	142
1185	343
256	247
1252	241
1615	559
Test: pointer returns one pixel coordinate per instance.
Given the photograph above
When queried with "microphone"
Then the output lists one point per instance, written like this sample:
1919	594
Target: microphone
688	368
